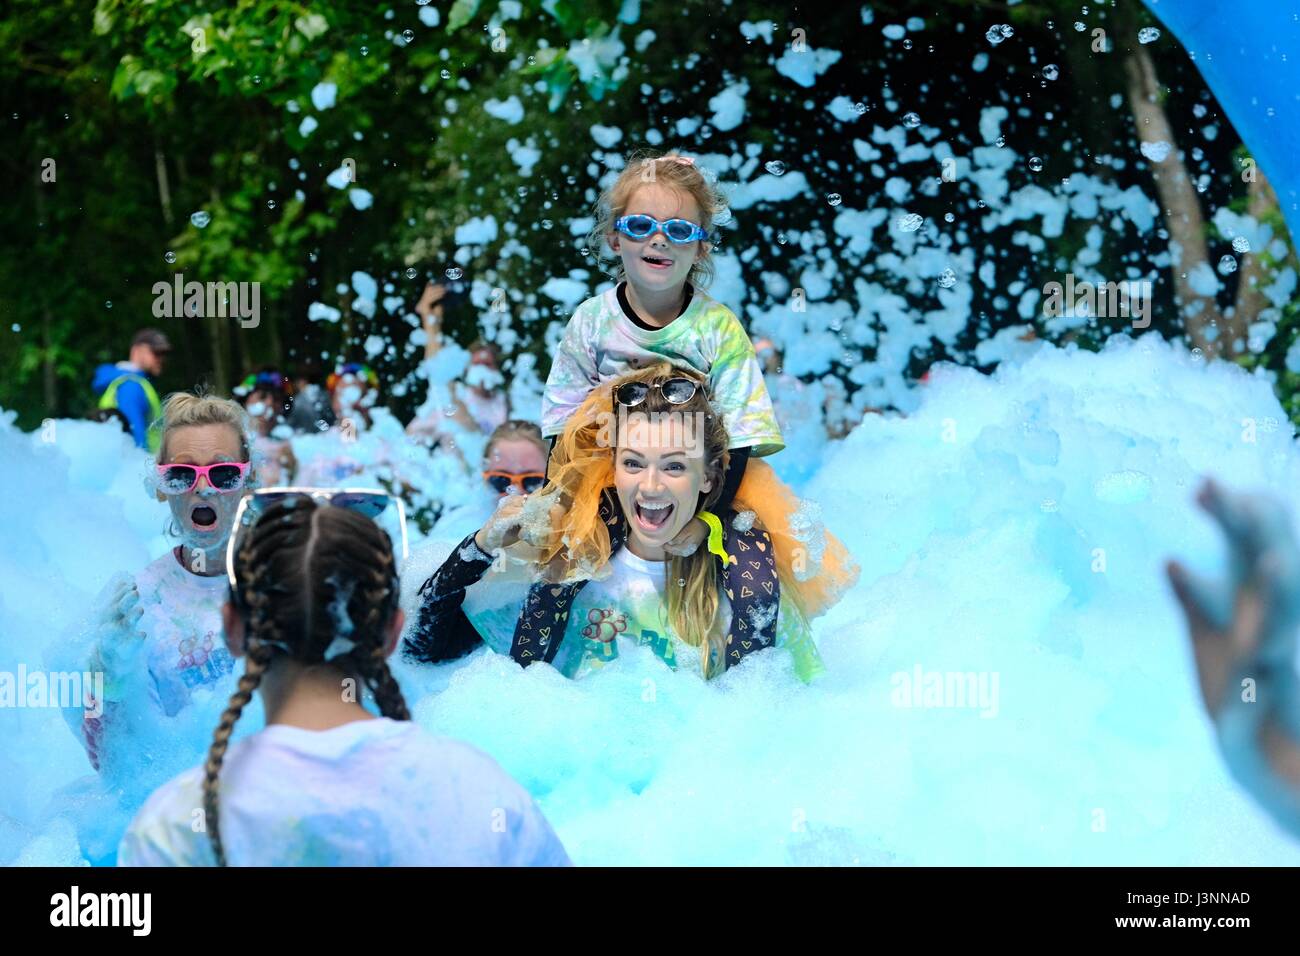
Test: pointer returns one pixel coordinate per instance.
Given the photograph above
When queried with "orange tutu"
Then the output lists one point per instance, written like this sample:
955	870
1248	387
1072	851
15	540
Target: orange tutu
814	566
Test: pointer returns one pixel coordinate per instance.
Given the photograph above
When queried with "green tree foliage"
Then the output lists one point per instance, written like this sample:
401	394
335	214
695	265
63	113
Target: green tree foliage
152	112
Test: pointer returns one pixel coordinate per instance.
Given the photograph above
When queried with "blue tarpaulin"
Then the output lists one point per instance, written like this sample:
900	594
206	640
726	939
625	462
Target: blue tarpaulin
1249	53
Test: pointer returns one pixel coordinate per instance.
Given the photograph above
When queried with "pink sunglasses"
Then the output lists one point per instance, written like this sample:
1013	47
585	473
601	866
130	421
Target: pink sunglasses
222	475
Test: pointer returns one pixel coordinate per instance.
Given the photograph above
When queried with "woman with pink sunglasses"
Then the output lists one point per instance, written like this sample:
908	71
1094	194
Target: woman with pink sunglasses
157	634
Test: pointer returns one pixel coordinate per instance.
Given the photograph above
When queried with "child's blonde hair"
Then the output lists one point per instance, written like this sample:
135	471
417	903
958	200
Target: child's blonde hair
183	409
675	172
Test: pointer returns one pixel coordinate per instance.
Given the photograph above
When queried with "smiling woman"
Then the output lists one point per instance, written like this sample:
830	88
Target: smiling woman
586	575
156	633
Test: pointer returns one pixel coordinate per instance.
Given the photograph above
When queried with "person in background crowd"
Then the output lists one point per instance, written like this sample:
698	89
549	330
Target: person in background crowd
353	391
478	402
311	410
267	399
128	386
514	463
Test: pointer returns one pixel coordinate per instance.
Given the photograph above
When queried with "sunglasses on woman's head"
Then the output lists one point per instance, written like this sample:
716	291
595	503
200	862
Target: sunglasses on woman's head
502	481
676	391
178	479
371	502
642	227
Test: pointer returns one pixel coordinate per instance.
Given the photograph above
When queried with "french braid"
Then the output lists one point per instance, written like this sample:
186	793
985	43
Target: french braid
300	569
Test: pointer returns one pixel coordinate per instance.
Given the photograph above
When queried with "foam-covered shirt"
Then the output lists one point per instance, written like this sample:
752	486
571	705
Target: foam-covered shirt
175	650
368	793
601	343
184	648
626	608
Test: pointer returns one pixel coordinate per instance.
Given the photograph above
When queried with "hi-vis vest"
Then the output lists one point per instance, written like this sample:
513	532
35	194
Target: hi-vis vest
109	400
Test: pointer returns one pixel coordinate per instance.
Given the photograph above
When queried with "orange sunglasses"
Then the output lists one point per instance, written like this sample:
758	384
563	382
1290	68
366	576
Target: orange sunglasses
502	481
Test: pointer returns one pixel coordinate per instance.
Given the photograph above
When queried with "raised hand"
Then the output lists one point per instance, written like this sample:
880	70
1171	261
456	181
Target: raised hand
425	308
120	635
502	529
1244	638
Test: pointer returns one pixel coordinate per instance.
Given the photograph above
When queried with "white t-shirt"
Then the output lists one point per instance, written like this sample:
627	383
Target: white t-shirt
369	793
184	648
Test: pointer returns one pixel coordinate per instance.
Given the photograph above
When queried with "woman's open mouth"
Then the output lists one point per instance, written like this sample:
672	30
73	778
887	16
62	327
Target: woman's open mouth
657	262
653	517
203	518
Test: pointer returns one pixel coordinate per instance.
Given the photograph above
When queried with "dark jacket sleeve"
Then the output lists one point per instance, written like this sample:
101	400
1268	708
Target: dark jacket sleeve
753	588
737	460
441	631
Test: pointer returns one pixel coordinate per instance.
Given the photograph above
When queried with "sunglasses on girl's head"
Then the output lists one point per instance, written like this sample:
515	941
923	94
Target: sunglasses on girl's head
179	479
676	391
501	481
642	227
371	502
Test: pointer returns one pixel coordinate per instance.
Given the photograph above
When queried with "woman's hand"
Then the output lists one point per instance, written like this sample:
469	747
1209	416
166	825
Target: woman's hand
502	529
688	540
120	635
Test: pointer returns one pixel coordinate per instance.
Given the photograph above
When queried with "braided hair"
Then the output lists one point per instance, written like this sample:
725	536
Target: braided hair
306	575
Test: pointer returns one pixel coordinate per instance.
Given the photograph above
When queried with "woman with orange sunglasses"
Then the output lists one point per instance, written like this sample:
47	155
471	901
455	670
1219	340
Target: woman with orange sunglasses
514	463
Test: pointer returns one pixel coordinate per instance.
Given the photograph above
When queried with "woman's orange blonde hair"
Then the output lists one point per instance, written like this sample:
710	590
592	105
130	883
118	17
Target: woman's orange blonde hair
582	471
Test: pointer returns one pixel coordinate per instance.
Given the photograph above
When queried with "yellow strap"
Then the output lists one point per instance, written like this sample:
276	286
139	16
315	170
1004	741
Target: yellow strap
715	535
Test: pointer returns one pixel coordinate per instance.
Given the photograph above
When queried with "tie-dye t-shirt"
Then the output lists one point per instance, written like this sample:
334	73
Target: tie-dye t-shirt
601	343
625	609
369	793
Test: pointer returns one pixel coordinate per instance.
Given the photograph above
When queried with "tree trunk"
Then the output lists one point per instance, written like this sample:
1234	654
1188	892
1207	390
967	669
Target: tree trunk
48	378
1182	214
220	383
1250	297
272	326
239	350
164	191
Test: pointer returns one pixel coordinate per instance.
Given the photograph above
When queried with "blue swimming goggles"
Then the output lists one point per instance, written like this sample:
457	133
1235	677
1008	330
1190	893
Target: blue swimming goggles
643	227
